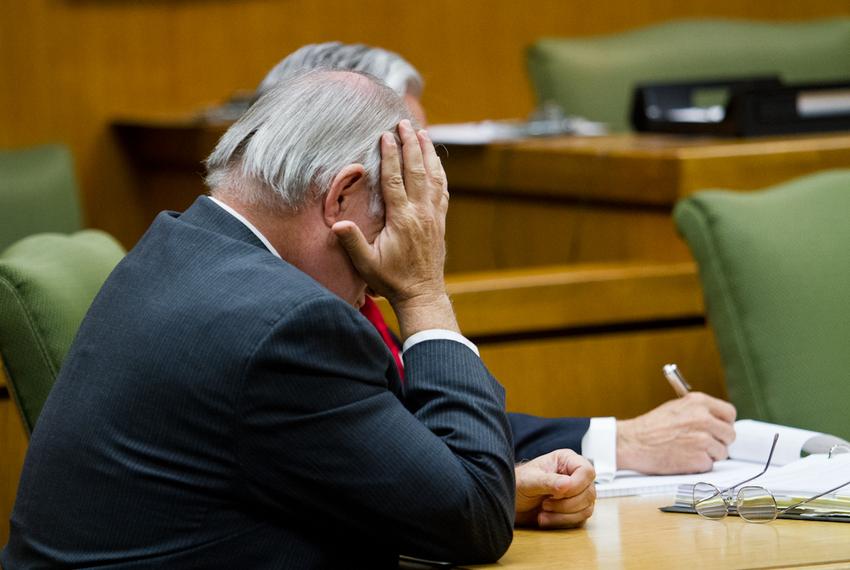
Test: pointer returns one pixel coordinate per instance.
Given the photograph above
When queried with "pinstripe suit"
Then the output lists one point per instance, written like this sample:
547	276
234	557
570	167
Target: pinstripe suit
219	408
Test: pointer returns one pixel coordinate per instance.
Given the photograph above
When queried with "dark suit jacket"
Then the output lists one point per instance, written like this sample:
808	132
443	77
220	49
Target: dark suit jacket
534	436
221	409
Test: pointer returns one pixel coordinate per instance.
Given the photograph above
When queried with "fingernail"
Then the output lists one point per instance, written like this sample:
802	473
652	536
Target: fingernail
405	123
389	139
424	133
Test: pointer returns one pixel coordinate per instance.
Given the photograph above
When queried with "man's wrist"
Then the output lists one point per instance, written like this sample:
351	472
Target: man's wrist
425	312
626	445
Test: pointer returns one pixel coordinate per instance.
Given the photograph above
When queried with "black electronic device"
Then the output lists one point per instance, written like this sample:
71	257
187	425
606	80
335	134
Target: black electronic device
741	107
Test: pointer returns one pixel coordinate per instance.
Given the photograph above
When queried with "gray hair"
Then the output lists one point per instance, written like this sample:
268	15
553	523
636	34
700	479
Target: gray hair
286	149
387	66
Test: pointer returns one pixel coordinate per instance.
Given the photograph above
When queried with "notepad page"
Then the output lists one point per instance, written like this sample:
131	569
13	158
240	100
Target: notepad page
628	483
809	476
754	438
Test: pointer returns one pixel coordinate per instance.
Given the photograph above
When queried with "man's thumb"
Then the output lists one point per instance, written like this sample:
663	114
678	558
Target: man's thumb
353	241
542	483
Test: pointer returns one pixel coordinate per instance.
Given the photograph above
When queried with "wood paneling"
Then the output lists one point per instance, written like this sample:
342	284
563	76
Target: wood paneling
587	340
609	374
68	67
554	298
486	231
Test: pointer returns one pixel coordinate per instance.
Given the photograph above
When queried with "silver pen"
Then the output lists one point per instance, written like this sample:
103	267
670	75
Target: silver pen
676	380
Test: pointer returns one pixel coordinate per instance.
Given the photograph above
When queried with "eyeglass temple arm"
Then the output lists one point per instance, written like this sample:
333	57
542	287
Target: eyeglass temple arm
815	497
766	467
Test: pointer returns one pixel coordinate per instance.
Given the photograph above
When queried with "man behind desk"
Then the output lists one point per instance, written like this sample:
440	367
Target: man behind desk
225	405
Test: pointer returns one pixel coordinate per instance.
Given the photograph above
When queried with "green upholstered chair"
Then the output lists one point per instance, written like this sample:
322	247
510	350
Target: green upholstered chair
47	283
594	77
775	272
38	193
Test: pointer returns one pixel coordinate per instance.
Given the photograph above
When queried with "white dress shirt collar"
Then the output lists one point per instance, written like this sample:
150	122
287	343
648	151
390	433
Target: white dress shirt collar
248	225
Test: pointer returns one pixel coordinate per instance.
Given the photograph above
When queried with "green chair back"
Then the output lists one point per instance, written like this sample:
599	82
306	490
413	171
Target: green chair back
47	283
594	77
38	193
775	272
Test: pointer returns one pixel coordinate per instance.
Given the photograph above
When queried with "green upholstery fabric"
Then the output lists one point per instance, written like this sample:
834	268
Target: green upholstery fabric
38	193
47	283
775	272
594	77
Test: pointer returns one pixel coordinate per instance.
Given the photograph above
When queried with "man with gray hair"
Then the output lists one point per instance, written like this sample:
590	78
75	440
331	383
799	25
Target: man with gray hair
395	71
680	436
225	405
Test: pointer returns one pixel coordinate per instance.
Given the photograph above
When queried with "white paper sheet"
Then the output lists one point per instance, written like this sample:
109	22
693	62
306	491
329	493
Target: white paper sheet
724	473
753	440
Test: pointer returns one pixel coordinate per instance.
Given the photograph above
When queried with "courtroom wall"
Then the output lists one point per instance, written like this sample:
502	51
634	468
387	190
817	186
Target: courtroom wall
67	67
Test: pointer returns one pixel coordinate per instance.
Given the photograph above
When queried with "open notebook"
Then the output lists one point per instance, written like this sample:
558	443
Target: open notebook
746	458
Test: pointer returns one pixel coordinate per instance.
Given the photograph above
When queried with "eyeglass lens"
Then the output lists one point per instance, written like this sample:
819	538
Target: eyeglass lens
709	502
756	504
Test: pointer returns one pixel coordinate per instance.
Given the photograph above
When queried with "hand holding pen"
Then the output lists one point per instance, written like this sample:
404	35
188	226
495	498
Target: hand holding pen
683	435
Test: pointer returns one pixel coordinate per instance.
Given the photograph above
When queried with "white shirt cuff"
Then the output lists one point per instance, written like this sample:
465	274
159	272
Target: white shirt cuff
438	334
599	445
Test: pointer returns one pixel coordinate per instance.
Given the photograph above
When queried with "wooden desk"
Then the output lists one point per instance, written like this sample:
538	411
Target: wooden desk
540	201
631	532
640	169
575	200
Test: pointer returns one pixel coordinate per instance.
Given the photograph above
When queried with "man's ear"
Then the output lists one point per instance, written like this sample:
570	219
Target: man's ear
347	182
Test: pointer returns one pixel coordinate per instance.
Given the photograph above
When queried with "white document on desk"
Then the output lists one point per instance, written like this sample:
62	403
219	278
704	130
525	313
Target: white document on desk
480	133
628	483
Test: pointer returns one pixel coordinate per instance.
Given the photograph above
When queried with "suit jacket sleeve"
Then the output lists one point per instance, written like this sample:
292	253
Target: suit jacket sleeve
535	436
325	442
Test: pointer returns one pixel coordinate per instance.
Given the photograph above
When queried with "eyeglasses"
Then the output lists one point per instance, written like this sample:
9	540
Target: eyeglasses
752	503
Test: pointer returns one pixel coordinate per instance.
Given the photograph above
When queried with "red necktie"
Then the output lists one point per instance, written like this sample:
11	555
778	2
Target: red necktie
370	311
